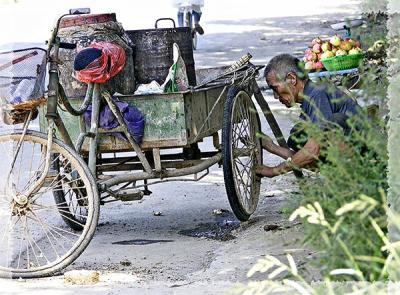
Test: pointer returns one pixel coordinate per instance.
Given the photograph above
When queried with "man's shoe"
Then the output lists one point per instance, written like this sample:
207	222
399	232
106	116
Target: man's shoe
199	29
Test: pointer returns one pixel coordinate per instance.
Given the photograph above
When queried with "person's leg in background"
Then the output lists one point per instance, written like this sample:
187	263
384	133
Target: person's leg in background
197	16
180	18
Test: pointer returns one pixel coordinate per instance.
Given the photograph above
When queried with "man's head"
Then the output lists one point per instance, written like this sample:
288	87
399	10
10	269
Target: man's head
286	78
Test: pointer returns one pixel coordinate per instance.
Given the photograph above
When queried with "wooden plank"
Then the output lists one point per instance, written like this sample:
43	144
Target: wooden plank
198	107
196	112
157	159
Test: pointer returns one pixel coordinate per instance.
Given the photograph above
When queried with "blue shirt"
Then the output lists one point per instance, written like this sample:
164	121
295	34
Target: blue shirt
321	101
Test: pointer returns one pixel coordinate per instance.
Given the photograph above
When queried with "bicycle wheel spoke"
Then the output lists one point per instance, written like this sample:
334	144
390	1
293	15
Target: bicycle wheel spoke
40	167
58	230
240	178
50	188
9	229
45	232
65	215
19	253
27	236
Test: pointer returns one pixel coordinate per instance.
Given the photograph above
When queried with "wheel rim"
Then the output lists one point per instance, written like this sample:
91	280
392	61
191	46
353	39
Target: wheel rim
245	151
71	199
32	233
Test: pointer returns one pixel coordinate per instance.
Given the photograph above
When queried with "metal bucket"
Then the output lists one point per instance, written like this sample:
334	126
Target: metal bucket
153	54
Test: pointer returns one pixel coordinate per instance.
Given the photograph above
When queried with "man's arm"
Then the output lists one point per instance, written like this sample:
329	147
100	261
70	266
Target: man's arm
268	144
301	159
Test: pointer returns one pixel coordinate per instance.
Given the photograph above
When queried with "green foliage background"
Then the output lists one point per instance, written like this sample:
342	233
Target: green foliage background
347	173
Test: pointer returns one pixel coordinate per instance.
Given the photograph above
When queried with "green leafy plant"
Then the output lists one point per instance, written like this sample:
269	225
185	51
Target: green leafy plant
285	276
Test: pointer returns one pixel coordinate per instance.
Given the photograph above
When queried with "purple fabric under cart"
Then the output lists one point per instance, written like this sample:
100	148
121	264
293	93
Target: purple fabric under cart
133	118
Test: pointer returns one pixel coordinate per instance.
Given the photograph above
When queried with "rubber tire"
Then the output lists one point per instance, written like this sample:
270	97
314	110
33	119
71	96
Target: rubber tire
229	180
91	223
59	198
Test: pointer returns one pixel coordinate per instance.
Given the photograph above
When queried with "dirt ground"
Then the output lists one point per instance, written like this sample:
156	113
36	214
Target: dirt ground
190	246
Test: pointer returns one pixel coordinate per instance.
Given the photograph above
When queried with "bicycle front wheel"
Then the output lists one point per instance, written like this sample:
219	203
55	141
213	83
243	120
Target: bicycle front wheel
34	240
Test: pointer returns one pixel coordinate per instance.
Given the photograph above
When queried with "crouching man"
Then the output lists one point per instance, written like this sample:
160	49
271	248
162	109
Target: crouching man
320	104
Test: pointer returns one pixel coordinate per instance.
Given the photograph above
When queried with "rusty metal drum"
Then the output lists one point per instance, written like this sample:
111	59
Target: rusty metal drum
83	30
153	54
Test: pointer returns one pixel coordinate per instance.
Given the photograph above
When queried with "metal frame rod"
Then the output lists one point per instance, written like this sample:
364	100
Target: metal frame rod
93	129
63	131
38	184
84	106
205	164
163	157
128	135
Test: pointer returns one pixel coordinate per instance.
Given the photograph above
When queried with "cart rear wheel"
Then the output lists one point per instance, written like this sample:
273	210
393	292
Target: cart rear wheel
241	153
34	240
69	195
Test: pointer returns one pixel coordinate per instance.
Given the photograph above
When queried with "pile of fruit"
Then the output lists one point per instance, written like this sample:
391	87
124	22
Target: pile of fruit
335	46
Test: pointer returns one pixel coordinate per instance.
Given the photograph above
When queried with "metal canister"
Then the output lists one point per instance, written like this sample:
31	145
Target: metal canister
153	54
83	30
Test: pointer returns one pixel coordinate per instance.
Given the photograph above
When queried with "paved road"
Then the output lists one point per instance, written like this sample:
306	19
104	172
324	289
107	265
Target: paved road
159	256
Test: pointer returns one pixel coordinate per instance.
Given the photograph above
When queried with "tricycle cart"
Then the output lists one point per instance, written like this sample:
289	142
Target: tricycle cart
69	169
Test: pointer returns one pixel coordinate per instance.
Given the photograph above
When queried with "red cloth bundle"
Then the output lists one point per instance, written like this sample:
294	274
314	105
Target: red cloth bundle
100	70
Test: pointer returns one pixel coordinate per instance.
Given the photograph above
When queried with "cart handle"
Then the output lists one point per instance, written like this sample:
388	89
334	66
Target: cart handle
164	18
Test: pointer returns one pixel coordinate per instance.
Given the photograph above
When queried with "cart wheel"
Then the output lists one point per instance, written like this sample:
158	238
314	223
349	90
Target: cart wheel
241	153
34	240
70	194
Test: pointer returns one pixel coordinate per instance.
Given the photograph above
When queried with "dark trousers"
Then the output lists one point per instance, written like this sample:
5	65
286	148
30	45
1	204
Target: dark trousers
196	17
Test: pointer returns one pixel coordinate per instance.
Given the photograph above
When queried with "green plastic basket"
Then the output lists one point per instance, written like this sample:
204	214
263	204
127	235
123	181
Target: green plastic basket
342	62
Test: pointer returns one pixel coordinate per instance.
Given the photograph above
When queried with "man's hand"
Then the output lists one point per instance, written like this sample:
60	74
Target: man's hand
303	158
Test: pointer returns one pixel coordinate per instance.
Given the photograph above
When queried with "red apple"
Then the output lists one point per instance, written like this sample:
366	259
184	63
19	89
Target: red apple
345	45
326	47
317	48
313	56
335	40
316	41
355	50
341	52
318	65
327	54
352	42
309	65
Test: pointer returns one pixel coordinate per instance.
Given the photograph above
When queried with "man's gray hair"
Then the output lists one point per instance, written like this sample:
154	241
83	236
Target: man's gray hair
283	64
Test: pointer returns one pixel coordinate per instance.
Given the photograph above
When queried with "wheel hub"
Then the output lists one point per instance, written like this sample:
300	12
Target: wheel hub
20	205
